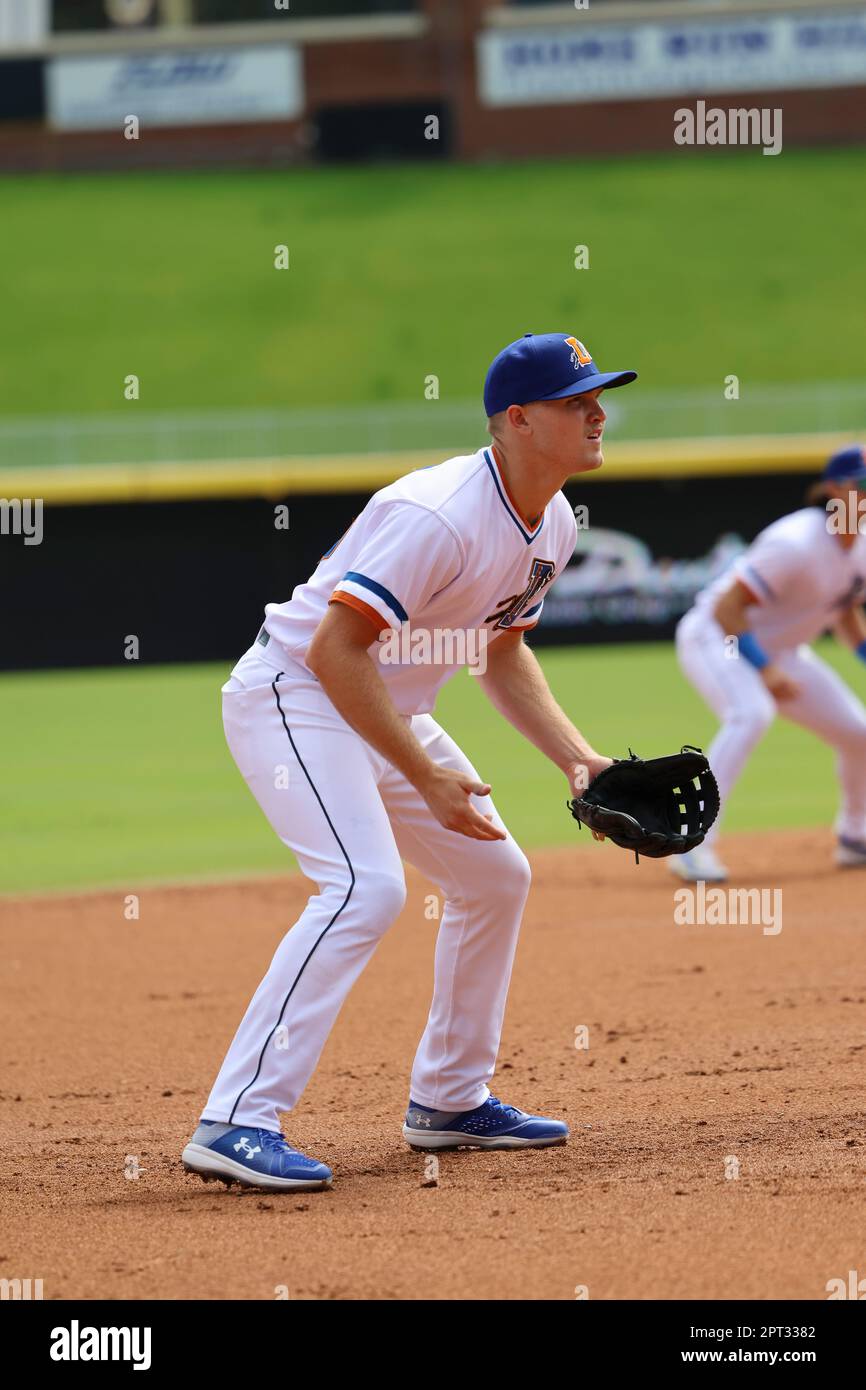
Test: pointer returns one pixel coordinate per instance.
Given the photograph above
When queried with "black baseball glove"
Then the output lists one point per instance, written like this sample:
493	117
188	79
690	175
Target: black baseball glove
658	807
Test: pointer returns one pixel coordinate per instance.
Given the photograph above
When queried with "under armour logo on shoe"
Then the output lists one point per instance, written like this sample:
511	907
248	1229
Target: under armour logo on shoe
421	1120
244	1143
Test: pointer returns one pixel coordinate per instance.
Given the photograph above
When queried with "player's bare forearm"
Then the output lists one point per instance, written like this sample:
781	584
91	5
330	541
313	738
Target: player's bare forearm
516	685
355	688
730	610
850	629
731	613
338	656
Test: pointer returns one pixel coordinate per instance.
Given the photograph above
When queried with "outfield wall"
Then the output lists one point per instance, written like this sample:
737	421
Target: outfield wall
502	82
189	577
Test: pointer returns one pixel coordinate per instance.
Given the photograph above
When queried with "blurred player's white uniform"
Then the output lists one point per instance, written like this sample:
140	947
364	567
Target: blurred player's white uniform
442	549
801	578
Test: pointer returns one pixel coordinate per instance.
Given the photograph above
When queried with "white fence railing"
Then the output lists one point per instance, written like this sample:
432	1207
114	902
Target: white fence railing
138	436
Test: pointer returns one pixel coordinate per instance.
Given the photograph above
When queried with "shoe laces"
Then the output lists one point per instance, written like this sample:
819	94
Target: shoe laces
270	1140
510	1111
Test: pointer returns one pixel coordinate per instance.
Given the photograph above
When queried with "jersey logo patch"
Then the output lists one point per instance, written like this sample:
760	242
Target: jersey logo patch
580	357
508	610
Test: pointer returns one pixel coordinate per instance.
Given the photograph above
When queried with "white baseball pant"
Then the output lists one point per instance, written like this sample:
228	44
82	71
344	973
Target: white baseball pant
349	815
734	690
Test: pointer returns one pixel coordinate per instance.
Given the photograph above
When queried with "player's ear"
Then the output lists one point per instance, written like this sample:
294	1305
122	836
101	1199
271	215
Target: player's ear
517	418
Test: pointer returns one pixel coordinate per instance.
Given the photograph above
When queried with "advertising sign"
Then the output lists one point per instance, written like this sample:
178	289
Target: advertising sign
176	88
582	61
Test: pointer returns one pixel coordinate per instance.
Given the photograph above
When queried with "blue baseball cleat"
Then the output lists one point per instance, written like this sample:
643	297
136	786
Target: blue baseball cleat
251	1157
850	854
489	1126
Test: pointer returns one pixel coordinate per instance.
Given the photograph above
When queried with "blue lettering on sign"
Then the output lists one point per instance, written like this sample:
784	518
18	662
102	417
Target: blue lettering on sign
684	42
841	35
155	71
566	52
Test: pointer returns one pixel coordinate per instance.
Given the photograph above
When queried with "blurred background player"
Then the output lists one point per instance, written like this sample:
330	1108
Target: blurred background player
802	575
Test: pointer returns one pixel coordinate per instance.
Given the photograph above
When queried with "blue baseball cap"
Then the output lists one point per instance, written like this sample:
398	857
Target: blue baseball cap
544	367
846	463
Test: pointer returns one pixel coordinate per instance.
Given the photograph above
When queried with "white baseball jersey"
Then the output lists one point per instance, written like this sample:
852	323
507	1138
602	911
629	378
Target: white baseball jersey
440	550
444	556
801	577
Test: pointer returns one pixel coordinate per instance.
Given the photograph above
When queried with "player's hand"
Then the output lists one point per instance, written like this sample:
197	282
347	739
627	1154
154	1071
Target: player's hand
780	686
449	795
580	774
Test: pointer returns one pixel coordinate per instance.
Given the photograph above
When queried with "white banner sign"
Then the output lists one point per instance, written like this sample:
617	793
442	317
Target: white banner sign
605	62
206	86
24	25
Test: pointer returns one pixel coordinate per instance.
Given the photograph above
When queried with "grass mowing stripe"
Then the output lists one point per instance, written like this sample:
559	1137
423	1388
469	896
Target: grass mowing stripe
699	267
122	776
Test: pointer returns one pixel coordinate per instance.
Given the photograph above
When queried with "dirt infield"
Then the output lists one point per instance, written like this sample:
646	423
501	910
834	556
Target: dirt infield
717	1114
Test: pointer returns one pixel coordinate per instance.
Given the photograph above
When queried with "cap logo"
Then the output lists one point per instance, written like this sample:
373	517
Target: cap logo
579	355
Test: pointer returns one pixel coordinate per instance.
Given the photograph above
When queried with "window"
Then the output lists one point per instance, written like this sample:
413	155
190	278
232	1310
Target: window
224	11
71	15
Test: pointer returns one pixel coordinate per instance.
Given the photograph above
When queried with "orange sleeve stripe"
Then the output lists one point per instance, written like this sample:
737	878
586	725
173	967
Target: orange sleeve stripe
338	596
755	597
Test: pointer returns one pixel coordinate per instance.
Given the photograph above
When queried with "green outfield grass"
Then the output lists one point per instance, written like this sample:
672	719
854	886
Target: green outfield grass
119	777
701	265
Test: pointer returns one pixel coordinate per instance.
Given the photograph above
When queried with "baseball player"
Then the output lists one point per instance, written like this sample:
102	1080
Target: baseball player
803	574
333	732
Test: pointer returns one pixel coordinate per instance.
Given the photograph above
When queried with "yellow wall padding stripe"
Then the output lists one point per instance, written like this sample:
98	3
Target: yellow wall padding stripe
277	477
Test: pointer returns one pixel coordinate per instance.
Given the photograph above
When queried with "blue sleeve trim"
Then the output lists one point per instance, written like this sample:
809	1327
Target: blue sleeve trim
751	649
380	591
861	650
528	536
761	583
531	612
